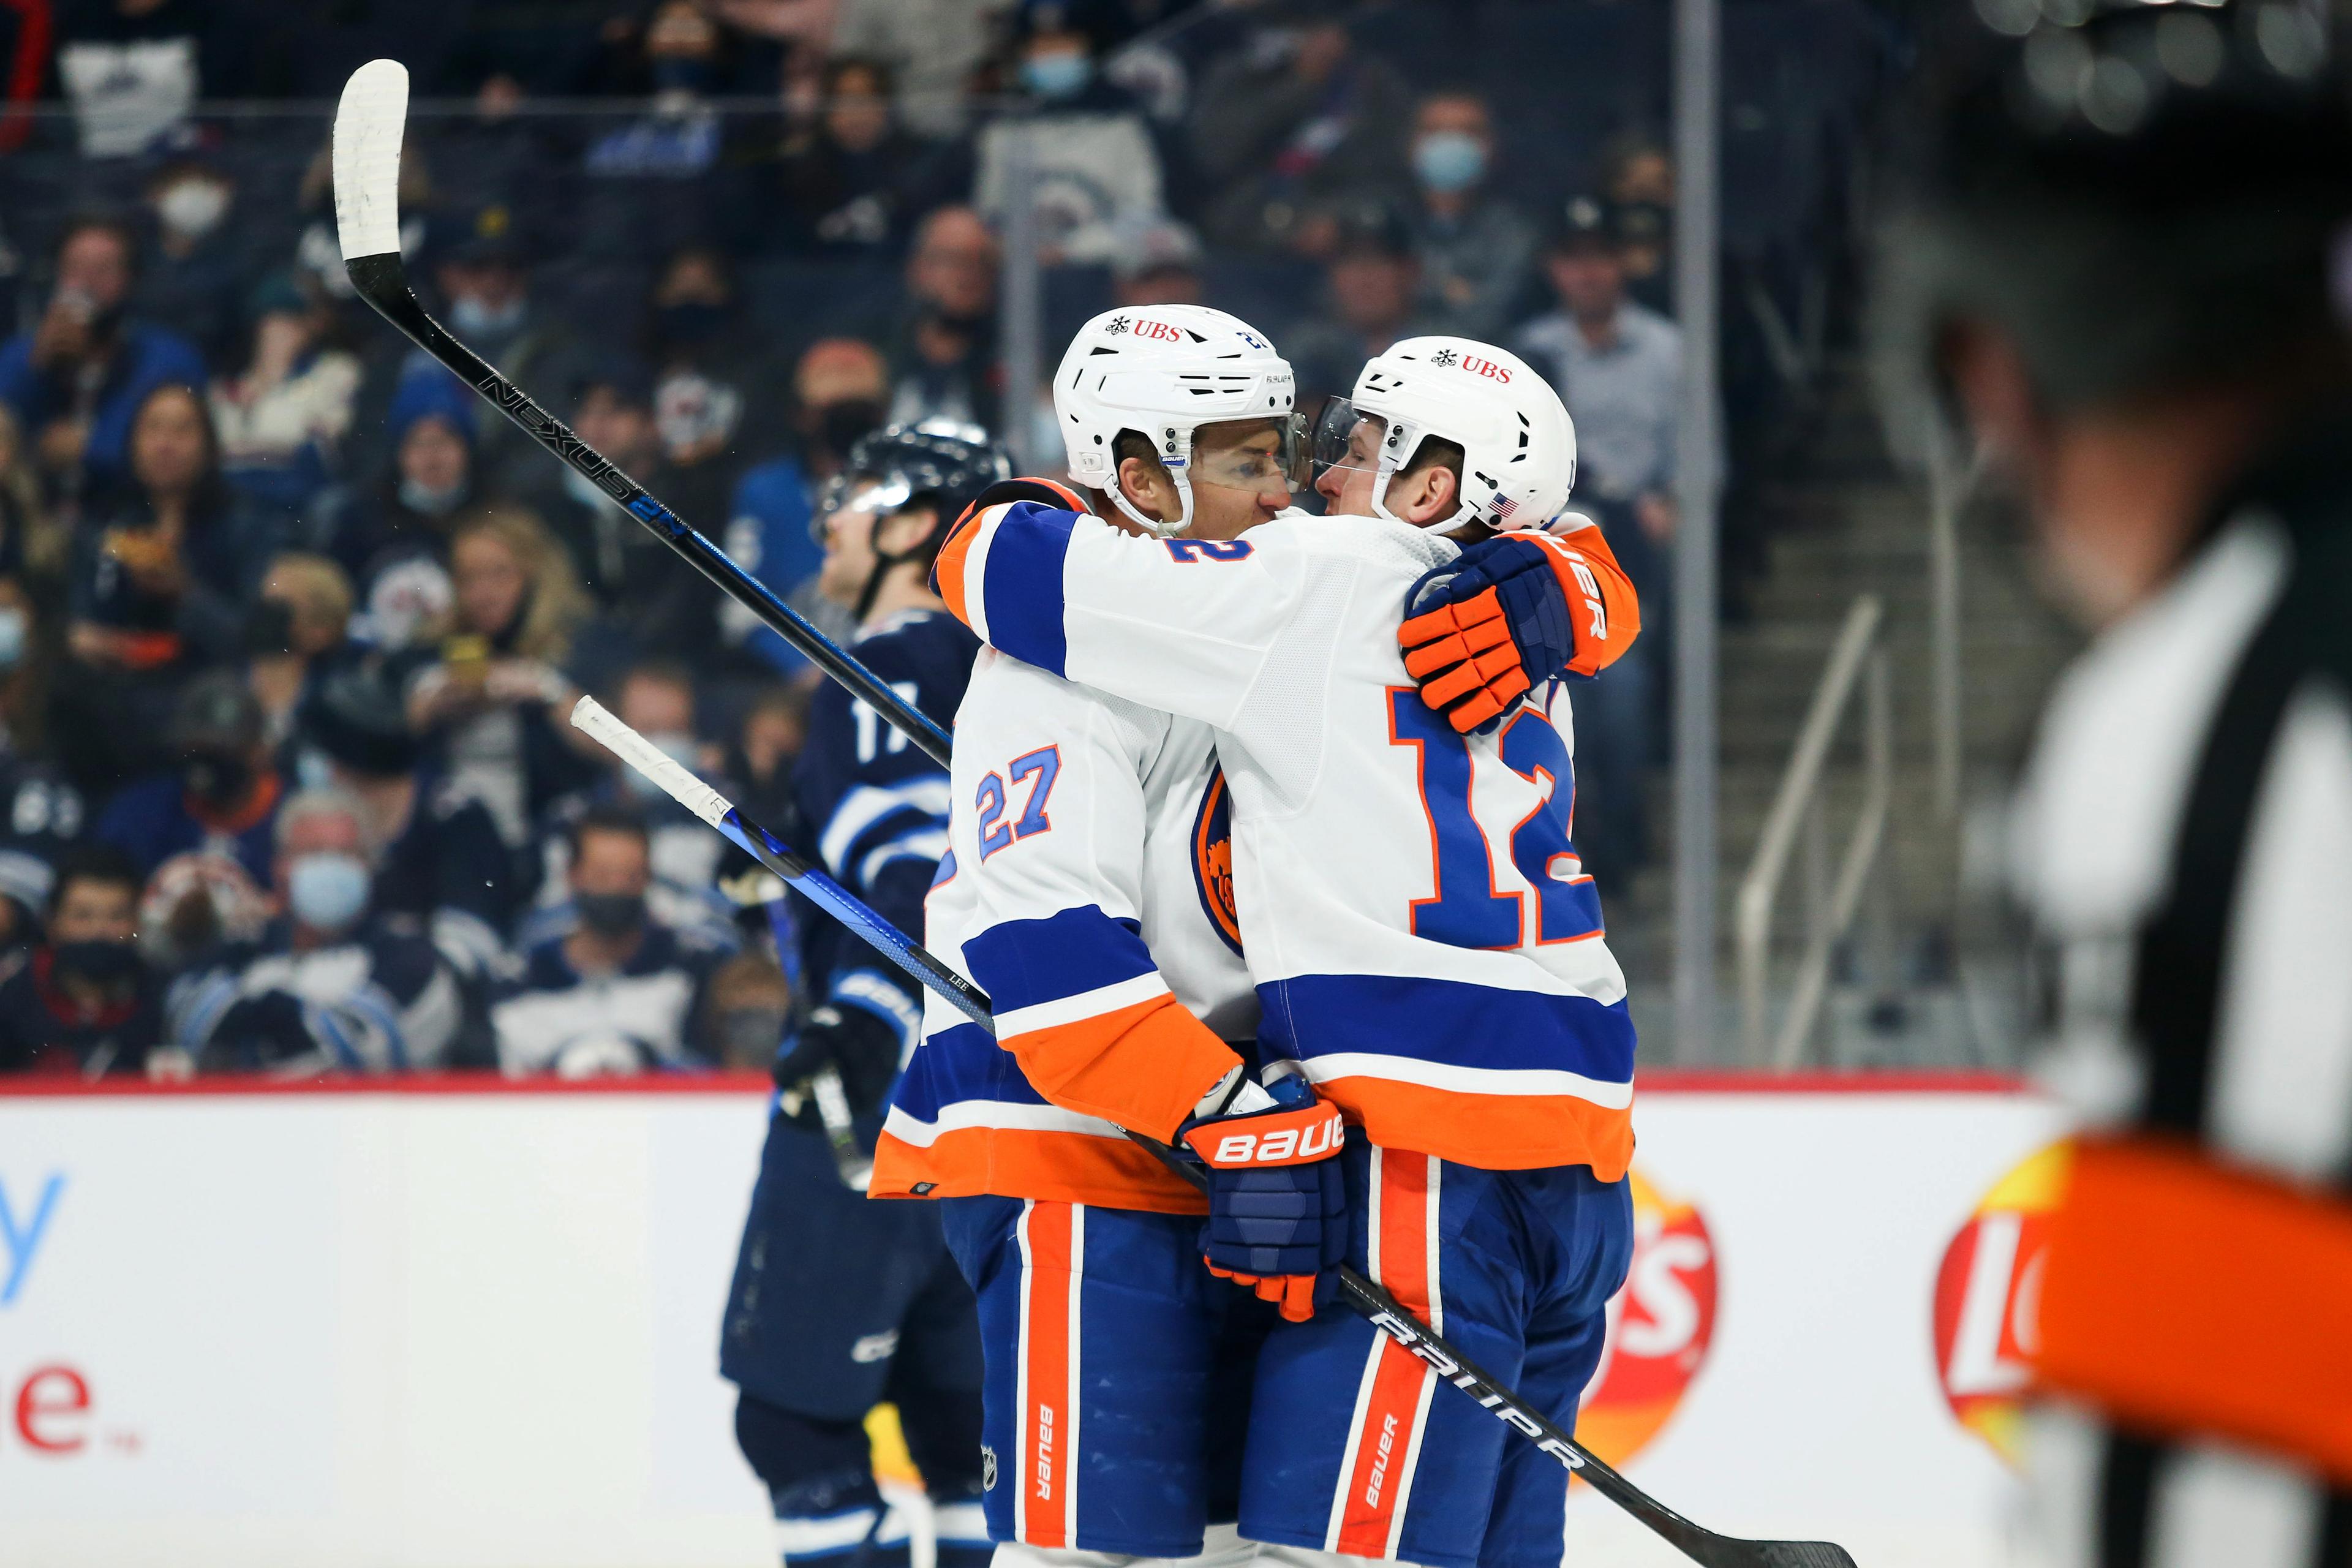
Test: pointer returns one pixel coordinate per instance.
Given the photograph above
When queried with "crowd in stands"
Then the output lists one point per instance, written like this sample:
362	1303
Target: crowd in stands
291	621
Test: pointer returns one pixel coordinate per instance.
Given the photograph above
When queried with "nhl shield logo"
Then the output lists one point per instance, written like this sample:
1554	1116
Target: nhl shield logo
987	1468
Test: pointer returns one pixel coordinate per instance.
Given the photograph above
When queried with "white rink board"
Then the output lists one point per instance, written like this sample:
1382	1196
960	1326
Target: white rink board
476	1329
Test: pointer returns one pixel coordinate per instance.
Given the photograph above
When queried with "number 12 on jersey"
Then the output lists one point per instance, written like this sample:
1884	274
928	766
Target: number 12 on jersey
1468	910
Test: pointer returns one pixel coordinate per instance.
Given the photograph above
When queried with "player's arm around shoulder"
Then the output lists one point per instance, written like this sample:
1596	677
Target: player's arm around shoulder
1515	611
1178	625
1050	802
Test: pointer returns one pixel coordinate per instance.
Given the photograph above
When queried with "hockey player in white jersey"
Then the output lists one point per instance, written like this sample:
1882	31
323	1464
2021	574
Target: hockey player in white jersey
1088	891
1423	944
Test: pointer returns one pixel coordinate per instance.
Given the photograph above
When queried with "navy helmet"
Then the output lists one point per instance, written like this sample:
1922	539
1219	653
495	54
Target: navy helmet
939	464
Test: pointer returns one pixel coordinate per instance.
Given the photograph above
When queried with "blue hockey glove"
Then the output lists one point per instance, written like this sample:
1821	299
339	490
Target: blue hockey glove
1277	1208
1487	627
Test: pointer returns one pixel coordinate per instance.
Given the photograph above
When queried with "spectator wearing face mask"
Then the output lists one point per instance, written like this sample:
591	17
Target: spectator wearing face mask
717	385
682	57
1476	249
658	700
85	1003
853	181
394	544
79	374
222	799
618	994
943	355
196	278
838	394
931	46
483	276
1096	166
1638	182
329	987
442	871
282	417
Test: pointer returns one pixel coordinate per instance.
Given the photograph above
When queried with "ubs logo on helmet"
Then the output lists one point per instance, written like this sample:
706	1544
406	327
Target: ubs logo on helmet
1986	1292
1446	358
1158	330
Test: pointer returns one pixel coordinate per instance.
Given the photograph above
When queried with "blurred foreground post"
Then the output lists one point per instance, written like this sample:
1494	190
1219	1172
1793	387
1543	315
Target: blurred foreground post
1696	487
1020	305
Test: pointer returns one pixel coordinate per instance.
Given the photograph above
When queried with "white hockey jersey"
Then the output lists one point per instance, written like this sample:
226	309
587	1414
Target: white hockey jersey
1087	889
1422	934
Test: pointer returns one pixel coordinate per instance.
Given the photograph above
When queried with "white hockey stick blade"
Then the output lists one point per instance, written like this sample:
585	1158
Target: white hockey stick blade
650	760
369	124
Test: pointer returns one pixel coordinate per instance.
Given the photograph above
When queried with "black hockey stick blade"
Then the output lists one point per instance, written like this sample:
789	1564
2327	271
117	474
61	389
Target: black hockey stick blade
369	124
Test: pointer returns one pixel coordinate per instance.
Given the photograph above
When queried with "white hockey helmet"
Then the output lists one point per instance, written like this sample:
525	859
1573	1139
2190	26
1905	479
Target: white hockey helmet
1164	370
1518	444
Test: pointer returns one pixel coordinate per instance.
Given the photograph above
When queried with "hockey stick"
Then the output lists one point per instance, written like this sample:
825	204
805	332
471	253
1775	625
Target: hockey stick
369	124
1384	1311
824	1086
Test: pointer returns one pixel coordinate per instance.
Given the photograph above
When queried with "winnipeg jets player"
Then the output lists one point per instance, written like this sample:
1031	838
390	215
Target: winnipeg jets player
1088	891
1423	940
836	1302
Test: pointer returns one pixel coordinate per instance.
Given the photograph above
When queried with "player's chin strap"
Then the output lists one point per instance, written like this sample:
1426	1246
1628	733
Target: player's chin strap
926	550
1177	460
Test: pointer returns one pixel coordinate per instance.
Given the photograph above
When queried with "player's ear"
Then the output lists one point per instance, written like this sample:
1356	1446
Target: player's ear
1431	491
1445	491
1146	484
904	530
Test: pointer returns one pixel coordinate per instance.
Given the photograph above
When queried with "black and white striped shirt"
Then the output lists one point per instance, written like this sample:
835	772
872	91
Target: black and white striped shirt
2185	842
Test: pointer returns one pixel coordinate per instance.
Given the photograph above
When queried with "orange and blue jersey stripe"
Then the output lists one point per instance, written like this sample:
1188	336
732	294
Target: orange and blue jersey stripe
1505	1080
1090	1041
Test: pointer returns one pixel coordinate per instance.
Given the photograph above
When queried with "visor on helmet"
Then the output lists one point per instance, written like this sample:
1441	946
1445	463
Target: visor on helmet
1251	464
1334	444
858	493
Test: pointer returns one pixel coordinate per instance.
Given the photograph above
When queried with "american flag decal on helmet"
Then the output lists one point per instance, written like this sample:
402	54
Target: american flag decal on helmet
1504	506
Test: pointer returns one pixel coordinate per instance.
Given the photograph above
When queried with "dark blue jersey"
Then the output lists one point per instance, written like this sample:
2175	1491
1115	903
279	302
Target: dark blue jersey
645	1017
878	805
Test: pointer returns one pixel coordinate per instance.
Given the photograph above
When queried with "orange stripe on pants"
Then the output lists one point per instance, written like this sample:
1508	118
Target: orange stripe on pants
1387	1436
1049	1356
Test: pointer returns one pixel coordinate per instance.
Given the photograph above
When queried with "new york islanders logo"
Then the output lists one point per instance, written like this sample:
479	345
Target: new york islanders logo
1213	860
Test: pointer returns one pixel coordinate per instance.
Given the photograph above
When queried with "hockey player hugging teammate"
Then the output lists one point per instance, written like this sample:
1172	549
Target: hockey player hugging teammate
1194	780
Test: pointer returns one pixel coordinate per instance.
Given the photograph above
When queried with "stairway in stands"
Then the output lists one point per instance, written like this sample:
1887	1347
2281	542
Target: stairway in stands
1930	978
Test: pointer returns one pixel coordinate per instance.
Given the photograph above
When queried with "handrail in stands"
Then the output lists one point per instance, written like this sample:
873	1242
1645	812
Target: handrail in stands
1856	659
